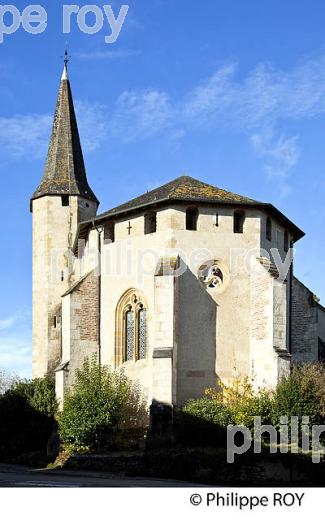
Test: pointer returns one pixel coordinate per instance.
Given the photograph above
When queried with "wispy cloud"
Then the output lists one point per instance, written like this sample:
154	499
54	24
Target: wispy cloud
27	136
141	115
264	94
264	97
107	54
281	154
92	122
7	323
24	135
258	104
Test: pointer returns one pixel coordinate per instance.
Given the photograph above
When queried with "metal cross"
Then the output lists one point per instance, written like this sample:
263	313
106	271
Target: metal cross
129	228
66	57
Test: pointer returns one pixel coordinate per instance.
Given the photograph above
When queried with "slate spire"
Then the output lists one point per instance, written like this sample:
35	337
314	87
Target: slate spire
65	172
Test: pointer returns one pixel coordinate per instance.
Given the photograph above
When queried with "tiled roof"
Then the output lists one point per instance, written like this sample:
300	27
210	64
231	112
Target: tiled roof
182	189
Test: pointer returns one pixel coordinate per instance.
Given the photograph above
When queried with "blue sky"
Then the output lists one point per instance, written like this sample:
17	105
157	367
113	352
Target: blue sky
231	92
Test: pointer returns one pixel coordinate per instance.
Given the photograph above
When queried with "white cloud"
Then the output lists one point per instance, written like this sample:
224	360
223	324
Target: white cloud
256	104
92	123
264	94
7	323
141	115
281	154
27	136
263	97
107	54
213	95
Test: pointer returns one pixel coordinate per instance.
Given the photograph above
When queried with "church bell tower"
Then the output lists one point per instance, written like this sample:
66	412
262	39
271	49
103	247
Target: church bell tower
61	201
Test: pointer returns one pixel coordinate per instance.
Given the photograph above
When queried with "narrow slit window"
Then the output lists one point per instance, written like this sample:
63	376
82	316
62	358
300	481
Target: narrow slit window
239	221
286	241
65	200
269	229
192	216
217	220
109	233
321	350
150	223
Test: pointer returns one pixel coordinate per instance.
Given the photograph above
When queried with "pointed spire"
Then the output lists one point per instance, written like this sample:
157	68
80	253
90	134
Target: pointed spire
66	59
65	172
64	73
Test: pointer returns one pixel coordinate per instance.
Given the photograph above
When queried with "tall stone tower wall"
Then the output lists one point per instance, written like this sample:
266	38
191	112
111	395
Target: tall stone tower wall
54	228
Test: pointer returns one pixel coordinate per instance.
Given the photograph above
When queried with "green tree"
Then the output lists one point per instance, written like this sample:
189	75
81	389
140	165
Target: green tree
301	394
100	401
27	417
39	394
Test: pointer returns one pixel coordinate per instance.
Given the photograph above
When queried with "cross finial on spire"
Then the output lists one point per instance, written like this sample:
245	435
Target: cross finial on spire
66	59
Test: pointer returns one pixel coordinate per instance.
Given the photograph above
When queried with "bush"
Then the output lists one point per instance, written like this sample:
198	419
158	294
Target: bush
244	402
202	422
39	394
301	394
96	407
27	417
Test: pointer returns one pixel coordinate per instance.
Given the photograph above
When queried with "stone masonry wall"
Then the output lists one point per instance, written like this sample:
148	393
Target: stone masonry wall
304	324
80	324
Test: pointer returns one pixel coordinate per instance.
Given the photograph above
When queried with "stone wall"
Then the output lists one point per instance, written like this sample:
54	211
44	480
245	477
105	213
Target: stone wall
307	323
80	329
196	335
54	228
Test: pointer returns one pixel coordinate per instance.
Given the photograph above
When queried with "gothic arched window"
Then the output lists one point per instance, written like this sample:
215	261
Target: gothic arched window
131	328
192	216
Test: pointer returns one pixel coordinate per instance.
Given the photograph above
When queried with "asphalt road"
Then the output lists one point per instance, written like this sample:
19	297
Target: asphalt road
20	476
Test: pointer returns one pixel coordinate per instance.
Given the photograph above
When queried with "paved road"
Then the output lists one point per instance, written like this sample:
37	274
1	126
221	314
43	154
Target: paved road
20	476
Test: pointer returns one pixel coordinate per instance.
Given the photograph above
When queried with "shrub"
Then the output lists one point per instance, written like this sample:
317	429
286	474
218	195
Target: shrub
26	417
202	422
39	394
96	407
301	394
243	401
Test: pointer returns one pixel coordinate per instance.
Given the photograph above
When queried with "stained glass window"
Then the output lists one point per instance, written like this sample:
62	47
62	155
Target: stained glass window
142	333
129	335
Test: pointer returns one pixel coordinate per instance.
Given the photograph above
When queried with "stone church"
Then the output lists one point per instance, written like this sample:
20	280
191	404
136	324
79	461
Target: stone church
183	286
